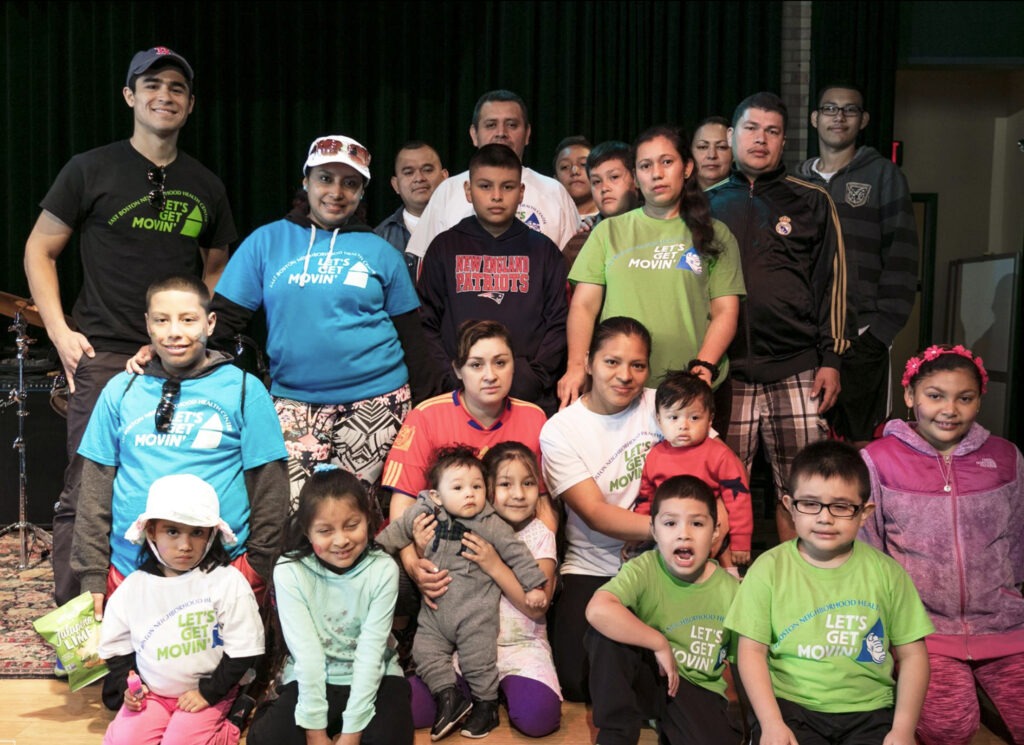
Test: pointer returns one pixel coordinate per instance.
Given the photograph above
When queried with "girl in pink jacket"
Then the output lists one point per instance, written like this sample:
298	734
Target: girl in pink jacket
950	508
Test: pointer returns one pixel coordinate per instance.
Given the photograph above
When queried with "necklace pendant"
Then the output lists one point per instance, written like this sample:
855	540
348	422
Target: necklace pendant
947	488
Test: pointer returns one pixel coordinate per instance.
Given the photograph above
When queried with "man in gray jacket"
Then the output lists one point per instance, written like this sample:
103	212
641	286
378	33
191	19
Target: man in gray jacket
877	219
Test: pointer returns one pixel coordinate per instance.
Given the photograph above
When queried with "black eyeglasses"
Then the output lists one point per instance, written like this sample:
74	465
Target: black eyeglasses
850	110
157	199
836	509
165	409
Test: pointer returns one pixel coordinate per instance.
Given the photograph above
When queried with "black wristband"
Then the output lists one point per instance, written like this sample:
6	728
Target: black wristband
705	364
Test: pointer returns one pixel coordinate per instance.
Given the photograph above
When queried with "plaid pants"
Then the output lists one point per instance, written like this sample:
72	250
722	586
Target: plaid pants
780	415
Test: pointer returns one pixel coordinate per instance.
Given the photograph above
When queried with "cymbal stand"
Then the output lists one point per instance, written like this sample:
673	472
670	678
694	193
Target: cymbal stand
28	534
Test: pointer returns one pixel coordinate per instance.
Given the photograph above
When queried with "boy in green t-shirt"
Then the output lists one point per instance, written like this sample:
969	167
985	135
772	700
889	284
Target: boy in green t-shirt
663	616
818	616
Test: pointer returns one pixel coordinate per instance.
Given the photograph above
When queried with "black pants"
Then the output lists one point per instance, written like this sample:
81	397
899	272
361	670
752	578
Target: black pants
391	723
567	622
91	377
626	689
820	728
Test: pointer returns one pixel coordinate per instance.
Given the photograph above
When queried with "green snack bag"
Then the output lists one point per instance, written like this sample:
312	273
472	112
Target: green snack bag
74	632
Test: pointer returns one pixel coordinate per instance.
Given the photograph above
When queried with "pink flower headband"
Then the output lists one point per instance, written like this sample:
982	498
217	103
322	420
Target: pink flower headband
935	351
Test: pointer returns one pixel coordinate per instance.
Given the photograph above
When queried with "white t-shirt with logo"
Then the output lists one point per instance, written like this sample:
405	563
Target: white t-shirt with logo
576	445
180	627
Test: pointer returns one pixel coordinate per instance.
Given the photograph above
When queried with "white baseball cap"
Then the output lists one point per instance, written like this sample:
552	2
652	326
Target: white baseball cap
338	149
181	498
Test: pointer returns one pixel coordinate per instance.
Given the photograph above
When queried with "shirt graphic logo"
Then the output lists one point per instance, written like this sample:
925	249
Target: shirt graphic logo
489	276
497	297
209	434
857	194
690	261
873	647
672	256
784	226
532	216
357	275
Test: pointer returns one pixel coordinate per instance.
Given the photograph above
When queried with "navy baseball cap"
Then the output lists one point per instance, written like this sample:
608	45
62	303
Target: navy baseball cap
145	59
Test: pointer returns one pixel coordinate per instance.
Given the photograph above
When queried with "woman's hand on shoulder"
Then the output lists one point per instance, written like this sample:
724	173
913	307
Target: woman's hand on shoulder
192	701
142	358
570	386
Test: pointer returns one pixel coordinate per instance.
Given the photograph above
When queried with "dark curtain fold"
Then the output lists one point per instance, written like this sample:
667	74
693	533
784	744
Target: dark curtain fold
271	76
856	42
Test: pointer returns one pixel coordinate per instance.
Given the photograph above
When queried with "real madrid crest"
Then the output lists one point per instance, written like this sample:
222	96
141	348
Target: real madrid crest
784	226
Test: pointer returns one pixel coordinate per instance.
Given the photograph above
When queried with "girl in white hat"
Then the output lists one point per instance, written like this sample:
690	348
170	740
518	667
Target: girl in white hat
187	622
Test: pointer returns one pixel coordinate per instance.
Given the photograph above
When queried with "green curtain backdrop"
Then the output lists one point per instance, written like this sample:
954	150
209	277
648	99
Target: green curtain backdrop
856	42
271	76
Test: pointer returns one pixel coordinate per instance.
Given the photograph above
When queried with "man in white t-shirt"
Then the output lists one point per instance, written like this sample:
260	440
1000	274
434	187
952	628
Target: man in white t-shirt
500	116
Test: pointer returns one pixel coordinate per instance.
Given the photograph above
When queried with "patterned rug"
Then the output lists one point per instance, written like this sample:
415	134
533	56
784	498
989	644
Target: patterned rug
25	595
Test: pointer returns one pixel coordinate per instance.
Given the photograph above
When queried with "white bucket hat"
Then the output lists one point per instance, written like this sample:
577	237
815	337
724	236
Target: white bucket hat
338	149
182	498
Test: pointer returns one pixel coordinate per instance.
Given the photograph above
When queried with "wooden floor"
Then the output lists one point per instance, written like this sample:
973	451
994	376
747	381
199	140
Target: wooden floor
45	712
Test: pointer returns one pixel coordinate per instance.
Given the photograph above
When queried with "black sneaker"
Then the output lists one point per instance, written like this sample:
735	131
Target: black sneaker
483	719
452	708
240	711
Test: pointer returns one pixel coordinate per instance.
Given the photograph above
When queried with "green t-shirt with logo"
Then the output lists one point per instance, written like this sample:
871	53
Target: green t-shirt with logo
830	631
691	616
651	272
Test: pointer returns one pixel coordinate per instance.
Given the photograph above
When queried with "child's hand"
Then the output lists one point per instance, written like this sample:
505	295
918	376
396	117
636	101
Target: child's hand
778	734
136	364
537	599
423	529
667	667
318	737
897	737
481	552
740	558
192	701
136	703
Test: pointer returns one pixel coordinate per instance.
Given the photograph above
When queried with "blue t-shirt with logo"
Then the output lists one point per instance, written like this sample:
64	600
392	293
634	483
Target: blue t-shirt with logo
329	303
210	437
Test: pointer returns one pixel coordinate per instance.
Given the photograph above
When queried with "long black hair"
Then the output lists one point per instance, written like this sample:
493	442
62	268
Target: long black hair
694	209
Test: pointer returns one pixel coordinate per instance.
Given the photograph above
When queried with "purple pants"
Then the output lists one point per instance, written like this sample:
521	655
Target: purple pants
533	708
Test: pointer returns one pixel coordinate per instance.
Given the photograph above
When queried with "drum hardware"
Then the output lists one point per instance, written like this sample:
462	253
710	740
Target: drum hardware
29	535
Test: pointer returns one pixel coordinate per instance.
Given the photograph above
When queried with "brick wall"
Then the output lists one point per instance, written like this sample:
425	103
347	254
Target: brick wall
796	75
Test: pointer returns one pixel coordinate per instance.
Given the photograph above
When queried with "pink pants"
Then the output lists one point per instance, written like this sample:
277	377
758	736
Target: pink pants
951	714
162	722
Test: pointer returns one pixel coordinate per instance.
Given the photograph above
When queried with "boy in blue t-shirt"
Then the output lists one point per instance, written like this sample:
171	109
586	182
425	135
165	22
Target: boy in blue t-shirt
658	644
819	615
191	411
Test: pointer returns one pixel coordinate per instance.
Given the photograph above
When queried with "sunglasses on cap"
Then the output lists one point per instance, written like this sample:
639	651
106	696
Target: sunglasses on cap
328	146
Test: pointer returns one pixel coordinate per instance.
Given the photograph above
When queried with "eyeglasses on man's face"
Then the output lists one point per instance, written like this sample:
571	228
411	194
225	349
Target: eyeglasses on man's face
850	110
